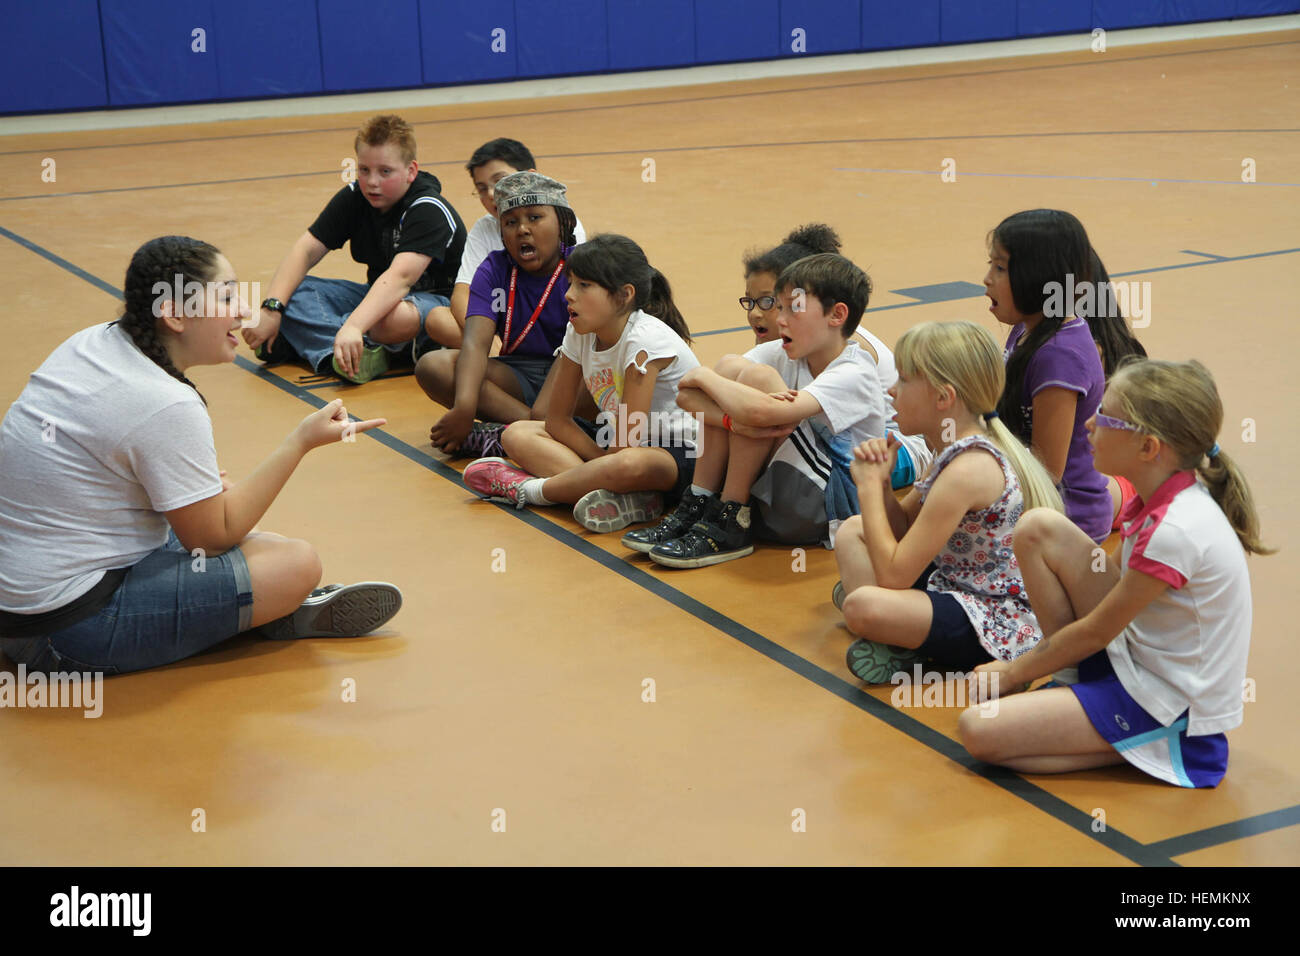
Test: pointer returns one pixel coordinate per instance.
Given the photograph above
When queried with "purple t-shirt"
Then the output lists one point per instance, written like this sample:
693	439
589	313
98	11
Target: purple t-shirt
1069	360
489	295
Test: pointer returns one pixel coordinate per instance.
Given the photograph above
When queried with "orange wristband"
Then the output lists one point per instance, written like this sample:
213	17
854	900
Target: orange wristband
726	421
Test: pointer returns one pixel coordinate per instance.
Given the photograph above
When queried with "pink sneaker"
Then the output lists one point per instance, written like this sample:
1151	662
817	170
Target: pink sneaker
496	479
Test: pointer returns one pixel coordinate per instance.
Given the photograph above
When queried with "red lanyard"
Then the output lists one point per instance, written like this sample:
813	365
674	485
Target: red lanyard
506	347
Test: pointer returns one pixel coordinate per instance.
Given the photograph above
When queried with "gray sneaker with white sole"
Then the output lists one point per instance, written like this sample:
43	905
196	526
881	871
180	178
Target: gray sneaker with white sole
338	610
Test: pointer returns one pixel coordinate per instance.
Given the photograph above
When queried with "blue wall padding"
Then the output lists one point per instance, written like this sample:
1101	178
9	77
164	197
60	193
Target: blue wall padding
830	26
83	54
37	74
149	48
971	21
561	36
645	34
725	30
1265	8
887	24
1037	17
1116	14
457	40
1187	11
369	45
266	49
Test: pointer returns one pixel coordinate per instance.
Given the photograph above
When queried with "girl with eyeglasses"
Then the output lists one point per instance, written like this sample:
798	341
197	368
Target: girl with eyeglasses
761	307
1161	630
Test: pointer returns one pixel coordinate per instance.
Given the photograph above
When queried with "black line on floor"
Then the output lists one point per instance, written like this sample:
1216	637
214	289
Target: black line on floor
1057	808
1227	832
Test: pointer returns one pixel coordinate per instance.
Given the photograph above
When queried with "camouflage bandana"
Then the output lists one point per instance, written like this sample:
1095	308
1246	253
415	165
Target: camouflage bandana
528	189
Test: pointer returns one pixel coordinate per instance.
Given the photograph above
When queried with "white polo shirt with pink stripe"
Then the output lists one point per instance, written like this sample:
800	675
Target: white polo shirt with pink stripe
1187	649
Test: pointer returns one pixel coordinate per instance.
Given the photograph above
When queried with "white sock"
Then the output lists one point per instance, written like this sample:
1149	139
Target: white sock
532	492
702	492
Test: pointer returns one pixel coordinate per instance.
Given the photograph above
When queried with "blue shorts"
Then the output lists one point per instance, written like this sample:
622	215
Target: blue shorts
170	606
530	371
1167	753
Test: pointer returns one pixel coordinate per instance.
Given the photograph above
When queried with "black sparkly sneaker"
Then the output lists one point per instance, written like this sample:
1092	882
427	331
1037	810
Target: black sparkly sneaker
720	535
674	525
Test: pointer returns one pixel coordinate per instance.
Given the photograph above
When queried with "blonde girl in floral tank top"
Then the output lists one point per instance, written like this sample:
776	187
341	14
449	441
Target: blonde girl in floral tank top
977	566
933	576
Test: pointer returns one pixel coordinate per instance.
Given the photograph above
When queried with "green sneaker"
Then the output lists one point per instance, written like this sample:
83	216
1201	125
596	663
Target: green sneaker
374	362
877	663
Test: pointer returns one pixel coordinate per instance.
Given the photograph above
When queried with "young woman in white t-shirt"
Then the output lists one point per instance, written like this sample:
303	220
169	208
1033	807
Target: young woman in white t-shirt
628	344
124	547
1160	631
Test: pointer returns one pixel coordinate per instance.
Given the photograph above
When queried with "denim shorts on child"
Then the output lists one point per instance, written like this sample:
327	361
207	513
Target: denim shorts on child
319	307
1167	753
530	371
170	606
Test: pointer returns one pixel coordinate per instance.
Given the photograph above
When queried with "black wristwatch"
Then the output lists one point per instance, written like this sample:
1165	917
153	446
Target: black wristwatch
275	305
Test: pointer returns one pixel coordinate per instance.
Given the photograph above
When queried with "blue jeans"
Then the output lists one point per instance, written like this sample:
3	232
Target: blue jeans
319	307
169	607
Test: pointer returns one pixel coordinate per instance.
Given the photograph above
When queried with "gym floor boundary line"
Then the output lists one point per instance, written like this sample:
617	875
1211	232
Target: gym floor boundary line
967	74
1007	780
706	147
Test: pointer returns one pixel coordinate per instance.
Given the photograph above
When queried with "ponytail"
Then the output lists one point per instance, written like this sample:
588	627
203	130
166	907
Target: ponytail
1036	485
659	303
1227	486
171	261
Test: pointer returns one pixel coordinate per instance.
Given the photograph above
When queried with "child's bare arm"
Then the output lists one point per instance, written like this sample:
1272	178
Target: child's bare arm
750	406
559	410
969	482
1054	411
638	394
459	303
293	268
1082	638
389	289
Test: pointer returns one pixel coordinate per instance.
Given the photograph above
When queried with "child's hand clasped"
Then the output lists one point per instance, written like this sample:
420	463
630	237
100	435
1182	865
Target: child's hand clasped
873	460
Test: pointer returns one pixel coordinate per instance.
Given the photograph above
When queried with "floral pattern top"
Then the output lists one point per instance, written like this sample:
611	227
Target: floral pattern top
977	565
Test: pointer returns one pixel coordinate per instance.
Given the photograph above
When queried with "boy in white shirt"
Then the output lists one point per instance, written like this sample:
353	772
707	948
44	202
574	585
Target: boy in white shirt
779	425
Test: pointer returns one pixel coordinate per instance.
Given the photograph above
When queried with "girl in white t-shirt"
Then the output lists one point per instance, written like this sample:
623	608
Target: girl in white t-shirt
125	548
627	343
761	308
1161	634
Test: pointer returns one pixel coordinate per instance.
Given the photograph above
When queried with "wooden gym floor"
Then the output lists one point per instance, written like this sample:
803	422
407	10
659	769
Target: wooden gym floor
517	695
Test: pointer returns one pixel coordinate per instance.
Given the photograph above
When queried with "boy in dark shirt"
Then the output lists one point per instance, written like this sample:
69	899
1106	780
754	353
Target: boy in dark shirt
410	239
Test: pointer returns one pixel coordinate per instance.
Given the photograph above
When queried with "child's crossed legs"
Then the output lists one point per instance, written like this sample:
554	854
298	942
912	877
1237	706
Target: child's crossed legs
1047	731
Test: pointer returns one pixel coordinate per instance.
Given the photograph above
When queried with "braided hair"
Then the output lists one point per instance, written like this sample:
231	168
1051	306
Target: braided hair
162	261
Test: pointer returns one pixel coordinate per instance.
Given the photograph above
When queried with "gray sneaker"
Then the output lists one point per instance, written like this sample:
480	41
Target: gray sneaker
338	610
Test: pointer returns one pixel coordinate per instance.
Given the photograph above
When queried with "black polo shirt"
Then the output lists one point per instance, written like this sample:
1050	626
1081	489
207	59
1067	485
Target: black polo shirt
421	221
